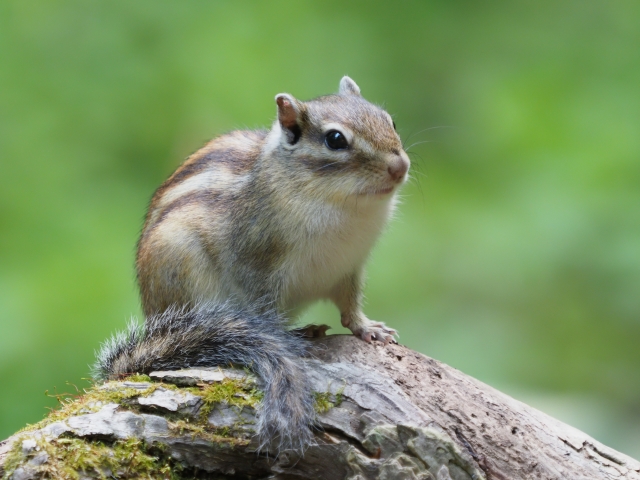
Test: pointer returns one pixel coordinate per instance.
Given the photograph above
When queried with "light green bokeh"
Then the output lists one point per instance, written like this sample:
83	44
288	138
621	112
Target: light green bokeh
514	257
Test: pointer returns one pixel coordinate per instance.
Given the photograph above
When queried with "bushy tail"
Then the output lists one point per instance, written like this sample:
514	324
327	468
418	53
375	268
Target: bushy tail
219	334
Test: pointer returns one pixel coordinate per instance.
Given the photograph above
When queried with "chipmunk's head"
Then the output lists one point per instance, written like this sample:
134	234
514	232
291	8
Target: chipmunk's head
340	146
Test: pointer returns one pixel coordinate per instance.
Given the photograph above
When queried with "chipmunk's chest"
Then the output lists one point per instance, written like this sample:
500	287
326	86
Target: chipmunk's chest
330	246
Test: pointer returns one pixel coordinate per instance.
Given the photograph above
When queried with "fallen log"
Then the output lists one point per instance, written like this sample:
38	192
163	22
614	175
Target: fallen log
383	412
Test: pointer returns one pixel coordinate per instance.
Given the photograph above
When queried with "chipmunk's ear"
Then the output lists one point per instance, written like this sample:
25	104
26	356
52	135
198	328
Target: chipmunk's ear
289	116
349	87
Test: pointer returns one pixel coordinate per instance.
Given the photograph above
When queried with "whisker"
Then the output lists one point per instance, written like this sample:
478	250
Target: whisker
418	184
427	129
326	165
417	143
420	157
421	173
416	169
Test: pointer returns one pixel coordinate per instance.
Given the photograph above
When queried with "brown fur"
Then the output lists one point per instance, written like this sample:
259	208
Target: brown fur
253	226
231	218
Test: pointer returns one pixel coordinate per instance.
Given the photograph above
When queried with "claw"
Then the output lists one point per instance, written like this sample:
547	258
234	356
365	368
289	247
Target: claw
321	331
369	331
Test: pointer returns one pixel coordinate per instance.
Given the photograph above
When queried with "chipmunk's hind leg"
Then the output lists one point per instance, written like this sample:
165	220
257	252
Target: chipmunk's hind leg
311	331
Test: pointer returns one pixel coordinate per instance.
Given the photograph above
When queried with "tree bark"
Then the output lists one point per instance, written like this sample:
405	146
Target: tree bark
385	412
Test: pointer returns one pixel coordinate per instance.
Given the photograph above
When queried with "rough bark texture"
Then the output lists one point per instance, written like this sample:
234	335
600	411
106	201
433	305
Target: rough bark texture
392	414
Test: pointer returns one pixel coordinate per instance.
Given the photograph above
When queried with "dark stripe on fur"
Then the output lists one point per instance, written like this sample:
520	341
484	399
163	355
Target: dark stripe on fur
204	197
238	159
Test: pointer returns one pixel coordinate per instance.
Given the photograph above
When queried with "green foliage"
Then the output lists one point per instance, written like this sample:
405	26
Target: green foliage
516	252
93	399
325	401
138	377
68	457
237	393
74	458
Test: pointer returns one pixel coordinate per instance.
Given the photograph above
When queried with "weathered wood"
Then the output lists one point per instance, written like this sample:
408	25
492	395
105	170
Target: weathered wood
394	414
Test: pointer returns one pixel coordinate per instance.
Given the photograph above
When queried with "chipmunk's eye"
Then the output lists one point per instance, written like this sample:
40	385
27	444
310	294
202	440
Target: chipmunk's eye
336	140
394	125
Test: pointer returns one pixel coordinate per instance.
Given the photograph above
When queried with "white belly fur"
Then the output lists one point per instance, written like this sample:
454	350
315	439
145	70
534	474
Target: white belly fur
331	248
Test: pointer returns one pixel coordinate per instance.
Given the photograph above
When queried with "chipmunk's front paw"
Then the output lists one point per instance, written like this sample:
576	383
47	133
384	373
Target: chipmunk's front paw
369	330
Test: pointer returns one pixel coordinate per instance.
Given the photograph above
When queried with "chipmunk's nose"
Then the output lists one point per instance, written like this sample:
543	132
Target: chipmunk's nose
398	168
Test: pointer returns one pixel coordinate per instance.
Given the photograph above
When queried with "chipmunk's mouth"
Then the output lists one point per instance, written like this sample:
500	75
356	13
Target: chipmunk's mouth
378	192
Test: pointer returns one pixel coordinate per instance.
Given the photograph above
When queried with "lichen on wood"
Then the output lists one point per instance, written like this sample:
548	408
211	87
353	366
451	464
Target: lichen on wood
382	412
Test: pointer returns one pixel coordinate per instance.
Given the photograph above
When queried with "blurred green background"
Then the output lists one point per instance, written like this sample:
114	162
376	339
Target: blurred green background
515	256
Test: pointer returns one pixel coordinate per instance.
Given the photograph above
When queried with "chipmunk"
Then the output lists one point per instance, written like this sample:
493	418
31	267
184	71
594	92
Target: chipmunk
250	229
